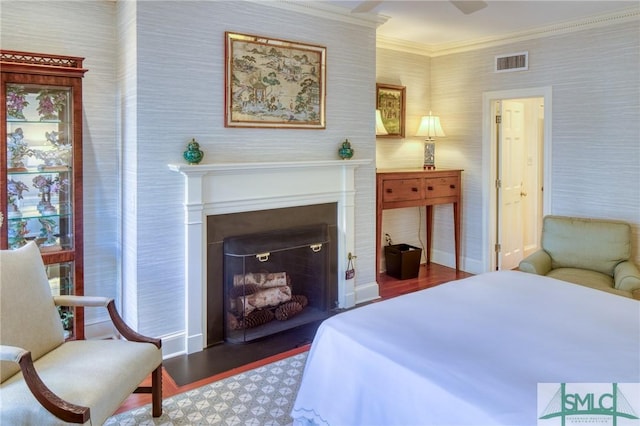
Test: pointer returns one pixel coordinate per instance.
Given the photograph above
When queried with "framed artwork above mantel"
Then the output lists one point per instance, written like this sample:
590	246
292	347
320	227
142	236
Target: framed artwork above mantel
274	83
390	100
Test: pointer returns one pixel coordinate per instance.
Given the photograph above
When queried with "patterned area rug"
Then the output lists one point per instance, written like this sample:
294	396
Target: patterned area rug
262	396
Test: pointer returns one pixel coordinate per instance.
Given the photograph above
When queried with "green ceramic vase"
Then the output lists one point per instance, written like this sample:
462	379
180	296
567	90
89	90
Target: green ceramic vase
193	154
345	152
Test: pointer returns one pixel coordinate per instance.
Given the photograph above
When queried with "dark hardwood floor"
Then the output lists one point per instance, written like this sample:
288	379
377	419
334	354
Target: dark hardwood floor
429	276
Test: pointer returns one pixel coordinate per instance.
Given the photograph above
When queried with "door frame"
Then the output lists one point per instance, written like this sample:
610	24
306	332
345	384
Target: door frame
489	163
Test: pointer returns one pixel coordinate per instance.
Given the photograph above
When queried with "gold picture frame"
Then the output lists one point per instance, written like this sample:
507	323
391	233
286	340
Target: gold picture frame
390	100
274	83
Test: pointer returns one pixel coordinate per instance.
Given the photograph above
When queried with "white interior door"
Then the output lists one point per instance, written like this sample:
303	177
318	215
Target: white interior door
511	167
537	181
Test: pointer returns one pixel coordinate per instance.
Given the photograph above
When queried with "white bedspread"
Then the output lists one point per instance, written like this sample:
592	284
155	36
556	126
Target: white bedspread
469	352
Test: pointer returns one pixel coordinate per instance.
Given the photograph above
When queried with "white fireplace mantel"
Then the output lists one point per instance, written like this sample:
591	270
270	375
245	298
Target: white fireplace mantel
212	189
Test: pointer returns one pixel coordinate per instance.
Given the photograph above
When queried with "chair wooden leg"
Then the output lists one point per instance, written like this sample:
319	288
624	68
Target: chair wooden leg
156	391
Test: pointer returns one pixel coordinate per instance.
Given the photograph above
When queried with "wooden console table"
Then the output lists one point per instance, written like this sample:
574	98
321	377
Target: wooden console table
413	188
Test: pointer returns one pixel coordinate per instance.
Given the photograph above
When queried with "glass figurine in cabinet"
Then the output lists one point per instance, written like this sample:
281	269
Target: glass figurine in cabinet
14	191
18	150
47	186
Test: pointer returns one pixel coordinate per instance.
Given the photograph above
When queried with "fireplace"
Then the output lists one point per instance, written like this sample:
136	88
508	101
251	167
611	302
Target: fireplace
274	281
214	191
226	232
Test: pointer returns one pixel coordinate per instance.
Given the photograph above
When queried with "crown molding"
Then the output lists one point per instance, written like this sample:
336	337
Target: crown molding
405	46
324	10
625	15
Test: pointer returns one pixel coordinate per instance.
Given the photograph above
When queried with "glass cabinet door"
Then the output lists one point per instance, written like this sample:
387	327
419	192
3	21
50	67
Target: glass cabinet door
39	167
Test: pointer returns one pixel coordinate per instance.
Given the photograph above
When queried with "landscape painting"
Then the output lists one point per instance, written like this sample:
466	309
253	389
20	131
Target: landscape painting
274	83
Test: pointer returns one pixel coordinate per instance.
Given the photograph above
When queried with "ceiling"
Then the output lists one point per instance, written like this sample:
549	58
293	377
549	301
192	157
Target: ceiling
439	24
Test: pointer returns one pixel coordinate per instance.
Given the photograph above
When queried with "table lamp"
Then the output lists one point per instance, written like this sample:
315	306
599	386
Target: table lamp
430	127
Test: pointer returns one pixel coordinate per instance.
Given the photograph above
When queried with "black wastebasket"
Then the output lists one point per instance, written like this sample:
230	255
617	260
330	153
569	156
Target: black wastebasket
403	260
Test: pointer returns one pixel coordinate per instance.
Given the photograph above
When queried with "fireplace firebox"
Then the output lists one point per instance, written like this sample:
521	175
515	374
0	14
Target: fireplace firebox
226	231
274	281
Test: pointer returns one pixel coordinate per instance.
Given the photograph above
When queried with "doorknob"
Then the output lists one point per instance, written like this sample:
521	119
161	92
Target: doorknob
523	194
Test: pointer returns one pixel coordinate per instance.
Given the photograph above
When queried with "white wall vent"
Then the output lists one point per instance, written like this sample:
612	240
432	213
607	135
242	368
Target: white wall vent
512	62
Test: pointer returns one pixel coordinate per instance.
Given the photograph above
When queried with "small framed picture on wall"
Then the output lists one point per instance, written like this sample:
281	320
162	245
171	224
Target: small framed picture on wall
390	100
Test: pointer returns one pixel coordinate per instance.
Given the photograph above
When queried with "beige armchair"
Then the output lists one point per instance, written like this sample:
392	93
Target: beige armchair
47	380
591	252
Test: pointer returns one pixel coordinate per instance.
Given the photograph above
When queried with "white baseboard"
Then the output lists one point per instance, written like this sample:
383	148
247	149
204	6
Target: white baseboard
172	345
367	292
449	260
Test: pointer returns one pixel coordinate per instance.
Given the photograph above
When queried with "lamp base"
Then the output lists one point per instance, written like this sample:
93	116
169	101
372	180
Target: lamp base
429	162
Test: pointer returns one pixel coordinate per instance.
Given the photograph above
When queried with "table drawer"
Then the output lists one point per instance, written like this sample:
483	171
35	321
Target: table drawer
401	189
446	186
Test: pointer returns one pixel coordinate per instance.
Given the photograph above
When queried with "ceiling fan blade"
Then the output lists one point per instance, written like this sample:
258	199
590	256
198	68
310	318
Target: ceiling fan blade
366	6
468	7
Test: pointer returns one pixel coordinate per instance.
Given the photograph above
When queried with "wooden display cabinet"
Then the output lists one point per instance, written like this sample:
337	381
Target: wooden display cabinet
41	167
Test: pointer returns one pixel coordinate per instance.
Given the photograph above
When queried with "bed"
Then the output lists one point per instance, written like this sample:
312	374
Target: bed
468	352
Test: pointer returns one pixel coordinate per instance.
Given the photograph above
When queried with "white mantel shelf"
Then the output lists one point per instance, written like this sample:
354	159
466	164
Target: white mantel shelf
222	188
235	167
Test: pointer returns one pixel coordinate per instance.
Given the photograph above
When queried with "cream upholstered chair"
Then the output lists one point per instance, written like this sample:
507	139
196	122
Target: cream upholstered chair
47	380
592	252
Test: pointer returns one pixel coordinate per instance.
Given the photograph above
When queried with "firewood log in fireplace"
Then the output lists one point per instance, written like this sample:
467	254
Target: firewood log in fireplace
262	279
268	297
243	290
